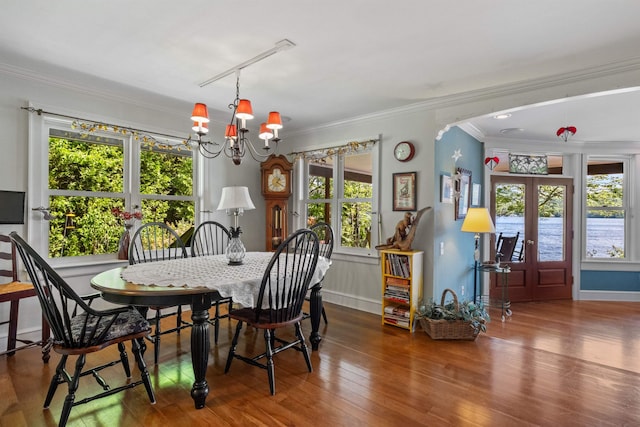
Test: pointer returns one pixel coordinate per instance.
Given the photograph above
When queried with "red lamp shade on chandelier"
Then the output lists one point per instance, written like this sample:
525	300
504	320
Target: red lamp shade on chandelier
200	113
236	132
566	132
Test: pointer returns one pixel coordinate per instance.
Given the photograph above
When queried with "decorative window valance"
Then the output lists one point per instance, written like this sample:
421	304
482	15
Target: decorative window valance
320	155
147	139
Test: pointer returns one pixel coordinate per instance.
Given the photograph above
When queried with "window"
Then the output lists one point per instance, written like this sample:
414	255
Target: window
606	208
88	174
342	187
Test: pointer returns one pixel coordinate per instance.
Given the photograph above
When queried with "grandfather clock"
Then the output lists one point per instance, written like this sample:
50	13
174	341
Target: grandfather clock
276	189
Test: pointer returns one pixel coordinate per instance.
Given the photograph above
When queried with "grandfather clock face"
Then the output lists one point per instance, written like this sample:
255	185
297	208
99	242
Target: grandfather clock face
277	181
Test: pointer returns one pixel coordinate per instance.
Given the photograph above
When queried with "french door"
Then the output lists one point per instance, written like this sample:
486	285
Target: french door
539	211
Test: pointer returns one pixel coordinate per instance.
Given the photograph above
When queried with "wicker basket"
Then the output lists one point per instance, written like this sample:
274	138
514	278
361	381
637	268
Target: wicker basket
440	329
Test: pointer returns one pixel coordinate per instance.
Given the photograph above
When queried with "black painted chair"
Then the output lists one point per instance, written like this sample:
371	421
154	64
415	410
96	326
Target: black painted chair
156	241
325	239
79	330
284	285
212	238
505	247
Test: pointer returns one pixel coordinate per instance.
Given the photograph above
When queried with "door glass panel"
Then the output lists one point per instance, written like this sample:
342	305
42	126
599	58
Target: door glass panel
510	218
551	222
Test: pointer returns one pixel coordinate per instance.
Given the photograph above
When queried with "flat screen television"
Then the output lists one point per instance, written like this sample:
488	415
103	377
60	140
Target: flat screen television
11	207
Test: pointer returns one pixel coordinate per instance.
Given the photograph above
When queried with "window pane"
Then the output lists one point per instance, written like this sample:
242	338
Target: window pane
168	173
83	226
356	225
177	214
605	234
87	163
605	229
357	174
551	222
605	190
510	200
318	212
321	180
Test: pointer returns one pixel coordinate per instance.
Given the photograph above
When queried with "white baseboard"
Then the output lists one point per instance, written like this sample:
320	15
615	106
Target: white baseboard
352	301
628	296
31	334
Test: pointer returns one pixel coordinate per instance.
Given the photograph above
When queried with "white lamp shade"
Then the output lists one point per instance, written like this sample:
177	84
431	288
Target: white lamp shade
235	198
478	220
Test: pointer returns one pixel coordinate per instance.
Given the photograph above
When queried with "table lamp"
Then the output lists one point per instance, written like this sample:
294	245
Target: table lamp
478	220
235	200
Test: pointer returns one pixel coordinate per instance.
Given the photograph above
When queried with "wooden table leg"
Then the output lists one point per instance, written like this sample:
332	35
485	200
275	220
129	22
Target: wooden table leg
315	302
200	347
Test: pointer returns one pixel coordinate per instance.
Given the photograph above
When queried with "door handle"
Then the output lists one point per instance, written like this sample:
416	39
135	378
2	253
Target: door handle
530	242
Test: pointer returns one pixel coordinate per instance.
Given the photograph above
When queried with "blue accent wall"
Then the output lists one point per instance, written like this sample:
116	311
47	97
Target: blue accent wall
594	280
453	269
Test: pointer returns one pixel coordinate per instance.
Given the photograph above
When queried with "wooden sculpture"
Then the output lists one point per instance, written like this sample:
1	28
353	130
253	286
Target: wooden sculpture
405	232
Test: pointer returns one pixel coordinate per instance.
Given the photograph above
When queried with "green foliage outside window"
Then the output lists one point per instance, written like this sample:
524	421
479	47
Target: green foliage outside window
84	224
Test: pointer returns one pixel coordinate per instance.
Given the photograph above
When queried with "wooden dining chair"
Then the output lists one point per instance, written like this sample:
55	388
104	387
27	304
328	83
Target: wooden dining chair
13	291
506	246
156	241
79	330
212	238
325	239
283	288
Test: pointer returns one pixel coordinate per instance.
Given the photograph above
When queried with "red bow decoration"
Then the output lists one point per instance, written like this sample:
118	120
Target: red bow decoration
566	132
491	162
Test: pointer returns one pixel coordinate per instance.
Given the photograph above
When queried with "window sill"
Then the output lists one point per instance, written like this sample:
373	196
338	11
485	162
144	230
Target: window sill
612	265
360	258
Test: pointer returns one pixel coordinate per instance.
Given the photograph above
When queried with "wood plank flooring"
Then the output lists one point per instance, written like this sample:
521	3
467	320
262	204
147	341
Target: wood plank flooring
562	363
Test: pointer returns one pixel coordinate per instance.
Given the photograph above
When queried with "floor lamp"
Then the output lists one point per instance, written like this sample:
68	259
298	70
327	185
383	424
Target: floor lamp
478	220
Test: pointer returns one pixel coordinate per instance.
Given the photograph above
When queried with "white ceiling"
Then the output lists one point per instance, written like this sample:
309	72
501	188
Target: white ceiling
351	58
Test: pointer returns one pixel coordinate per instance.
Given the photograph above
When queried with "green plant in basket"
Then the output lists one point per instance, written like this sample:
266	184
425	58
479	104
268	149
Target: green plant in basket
467	311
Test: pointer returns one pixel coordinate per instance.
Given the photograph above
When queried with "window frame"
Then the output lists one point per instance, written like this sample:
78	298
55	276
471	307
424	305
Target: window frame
39	192
301	191
626	209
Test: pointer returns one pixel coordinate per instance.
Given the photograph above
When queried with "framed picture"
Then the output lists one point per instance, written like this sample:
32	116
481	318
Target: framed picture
404	191
446	189
475	195
463	192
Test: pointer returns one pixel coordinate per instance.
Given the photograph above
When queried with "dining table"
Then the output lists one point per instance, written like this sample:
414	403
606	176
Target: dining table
199	282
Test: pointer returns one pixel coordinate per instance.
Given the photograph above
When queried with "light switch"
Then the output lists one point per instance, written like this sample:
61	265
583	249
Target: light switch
441	248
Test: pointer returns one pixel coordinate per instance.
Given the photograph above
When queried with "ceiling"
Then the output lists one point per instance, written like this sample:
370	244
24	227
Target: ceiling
352	58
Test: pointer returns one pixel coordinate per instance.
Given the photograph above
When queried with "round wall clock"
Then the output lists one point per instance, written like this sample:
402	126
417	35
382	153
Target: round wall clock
404	151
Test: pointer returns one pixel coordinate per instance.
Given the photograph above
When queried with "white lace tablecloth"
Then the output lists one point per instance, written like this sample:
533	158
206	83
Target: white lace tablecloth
240	282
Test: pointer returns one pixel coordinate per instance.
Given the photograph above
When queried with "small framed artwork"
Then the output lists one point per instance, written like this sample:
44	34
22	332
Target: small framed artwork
446	189
475	195
404	191
463	192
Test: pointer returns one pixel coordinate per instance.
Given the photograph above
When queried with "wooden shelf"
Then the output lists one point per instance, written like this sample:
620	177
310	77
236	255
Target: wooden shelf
401	287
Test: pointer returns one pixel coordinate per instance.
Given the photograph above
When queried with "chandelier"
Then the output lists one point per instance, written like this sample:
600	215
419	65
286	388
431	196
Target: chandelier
237	142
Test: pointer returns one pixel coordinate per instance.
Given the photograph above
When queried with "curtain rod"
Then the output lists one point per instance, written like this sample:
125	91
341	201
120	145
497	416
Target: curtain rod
349	145
40	112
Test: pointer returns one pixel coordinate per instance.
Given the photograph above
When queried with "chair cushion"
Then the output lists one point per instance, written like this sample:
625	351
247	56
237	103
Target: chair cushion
127	323
248	315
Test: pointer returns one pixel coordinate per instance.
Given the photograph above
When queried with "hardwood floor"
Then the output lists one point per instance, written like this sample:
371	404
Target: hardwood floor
559	363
